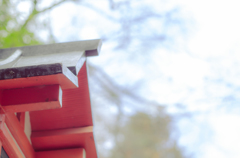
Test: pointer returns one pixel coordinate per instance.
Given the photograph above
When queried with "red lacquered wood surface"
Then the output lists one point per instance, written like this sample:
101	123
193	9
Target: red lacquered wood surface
38	81
8	143
66	138
17	131
75	111
32	98
52	130
66	153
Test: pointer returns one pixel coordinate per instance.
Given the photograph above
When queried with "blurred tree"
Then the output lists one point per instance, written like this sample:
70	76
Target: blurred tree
138	135
146	136
13	34
146	133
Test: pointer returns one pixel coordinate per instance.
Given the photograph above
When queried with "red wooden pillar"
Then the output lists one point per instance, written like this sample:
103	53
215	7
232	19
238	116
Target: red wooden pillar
10	145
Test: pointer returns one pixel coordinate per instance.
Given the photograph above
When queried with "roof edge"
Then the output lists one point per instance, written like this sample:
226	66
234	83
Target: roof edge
91	47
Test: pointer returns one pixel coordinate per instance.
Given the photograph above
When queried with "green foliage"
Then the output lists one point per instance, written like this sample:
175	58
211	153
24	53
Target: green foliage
18	38
13	34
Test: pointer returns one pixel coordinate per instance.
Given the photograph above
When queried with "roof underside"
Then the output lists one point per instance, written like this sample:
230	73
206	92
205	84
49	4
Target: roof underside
61	64
75	112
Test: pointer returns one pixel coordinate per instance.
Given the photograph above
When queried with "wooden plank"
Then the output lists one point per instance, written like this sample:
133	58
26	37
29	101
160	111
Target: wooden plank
72	60
68	59
92	47
19	135
38	75
32	98
66	153
66	138
61	132
11	147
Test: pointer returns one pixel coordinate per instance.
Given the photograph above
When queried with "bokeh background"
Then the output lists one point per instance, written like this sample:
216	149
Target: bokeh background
166	83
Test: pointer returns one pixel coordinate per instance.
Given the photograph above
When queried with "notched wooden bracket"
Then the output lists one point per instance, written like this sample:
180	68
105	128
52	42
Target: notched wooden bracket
75	69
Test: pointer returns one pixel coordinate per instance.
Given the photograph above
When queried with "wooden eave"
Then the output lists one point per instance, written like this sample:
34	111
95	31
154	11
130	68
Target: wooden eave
54	78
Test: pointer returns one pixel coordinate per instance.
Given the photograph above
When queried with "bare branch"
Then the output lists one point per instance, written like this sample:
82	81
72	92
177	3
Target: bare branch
100	12
30	17
36	12
110	86
52	6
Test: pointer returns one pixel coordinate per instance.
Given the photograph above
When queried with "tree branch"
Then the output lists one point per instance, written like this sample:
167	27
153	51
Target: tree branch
30	17
36	12
52	6
101	12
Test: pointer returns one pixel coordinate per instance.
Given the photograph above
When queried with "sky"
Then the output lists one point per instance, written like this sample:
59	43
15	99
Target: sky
202	75
198	77
214	63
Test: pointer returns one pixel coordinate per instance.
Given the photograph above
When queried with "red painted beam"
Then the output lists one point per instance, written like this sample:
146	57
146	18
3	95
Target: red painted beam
17	131
65	138
66	153
32	98
60	132
8	142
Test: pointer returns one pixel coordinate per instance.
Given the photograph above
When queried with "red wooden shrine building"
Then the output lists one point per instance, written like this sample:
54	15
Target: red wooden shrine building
44	101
